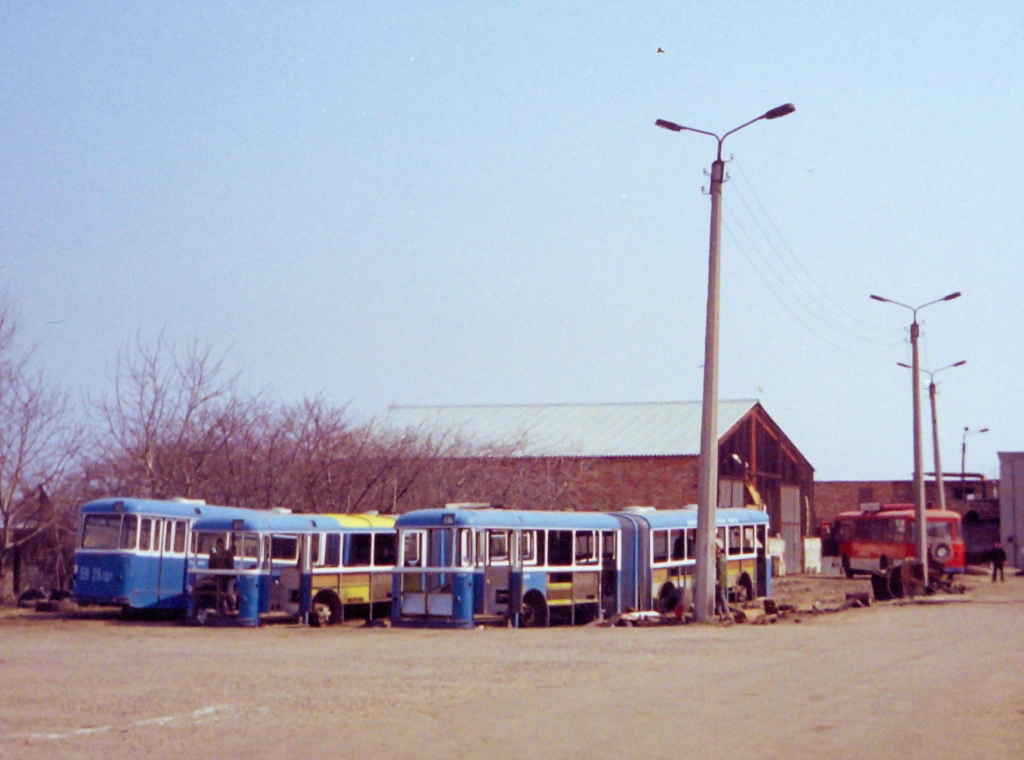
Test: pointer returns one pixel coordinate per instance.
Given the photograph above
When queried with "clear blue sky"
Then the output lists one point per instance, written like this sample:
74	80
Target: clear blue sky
468	202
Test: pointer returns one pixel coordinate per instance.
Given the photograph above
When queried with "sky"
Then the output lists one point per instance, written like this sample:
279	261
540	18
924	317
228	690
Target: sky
469	203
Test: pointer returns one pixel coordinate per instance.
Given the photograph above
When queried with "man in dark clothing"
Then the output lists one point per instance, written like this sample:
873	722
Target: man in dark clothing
998	557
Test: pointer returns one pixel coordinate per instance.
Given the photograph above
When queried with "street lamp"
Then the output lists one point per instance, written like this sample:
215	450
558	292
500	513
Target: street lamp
919	516
707	481
963	452
935	426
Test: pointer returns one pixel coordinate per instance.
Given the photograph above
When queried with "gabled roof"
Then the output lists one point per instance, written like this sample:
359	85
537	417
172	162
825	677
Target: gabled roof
594	430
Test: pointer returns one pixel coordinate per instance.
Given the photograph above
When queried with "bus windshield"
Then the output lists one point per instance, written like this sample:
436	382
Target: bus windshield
101	532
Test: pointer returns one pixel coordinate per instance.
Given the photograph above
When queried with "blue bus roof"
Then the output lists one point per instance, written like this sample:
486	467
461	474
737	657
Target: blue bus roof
190	509
266	521
507	518
525	518
687	518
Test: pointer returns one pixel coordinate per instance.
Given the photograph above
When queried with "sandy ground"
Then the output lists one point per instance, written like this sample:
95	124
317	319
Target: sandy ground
928	680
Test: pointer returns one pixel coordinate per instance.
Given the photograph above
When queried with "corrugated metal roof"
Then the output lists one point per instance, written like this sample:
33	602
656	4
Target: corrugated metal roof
669	428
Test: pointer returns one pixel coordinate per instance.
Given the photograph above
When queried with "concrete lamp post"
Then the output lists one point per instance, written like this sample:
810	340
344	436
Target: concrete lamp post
707	483
935	426
921	543
963	451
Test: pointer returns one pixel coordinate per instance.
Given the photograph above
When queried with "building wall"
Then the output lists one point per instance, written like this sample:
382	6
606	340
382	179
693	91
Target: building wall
833	497
607	483
1011	506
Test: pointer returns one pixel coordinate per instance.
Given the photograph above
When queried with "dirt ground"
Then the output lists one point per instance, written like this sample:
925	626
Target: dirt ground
938	679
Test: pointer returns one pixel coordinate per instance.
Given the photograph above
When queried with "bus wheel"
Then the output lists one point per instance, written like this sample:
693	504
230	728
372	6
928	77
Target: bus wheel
941	552
326	610
534	613
847	570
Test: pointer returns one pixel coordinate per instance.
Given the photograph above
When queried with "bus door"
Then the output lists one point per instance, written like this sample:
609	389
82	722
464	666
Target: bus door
290	578
284	569
155	569
496	557
609	573
629	580
438	586
428	592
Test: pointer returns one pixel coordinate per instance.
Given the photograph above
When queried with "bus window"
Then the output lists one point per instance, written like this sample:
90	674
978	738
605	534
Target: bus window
659	546
720	538
940	531
412	549
678	545
332	550
527	542
735	539
101	531
180	529
203	543
691	542
315	544
385	549
245	545
439	548
542	546
843	530
465	548
129	532
607	545
359	550
586	549
560	547
748	539
145	533
497	547
481	548
284	548
168	535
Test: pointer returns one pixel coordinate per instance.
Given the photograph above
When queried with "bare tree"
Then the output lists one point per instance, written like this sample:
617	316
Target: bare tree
171	414
37	444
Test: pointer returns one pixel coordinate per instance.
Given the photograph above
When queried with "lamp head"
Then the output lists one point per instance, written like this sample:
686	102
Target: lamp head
779	111
668	125
951	296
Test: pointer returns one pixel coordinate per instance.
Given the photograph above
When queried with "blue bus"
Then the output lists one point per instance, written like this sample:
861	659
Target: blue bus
131	553
315	568
462	565
239	566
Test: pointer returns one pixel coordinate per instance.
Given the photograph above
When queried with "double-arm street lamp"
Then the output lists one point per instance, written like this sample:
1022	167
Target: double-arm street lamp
963	451
935	426
707	483
921	537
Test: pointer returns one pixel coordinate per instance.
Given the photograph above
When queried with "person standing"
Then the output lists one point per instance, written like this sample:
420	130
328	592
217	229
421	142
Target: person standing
998	557
721	584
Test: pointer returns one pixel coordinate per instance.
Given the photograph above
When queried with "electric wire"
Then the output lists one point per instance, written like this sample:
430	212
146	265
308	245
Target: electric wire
801	300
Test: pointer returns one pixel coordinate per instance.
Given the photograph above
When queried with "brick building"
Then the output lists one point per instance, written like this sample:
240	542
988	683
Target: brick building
974	497
646	453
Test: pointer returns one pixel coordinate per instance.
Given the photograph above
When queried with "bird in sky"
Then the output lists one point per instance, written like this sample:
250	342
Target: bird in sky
660	50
